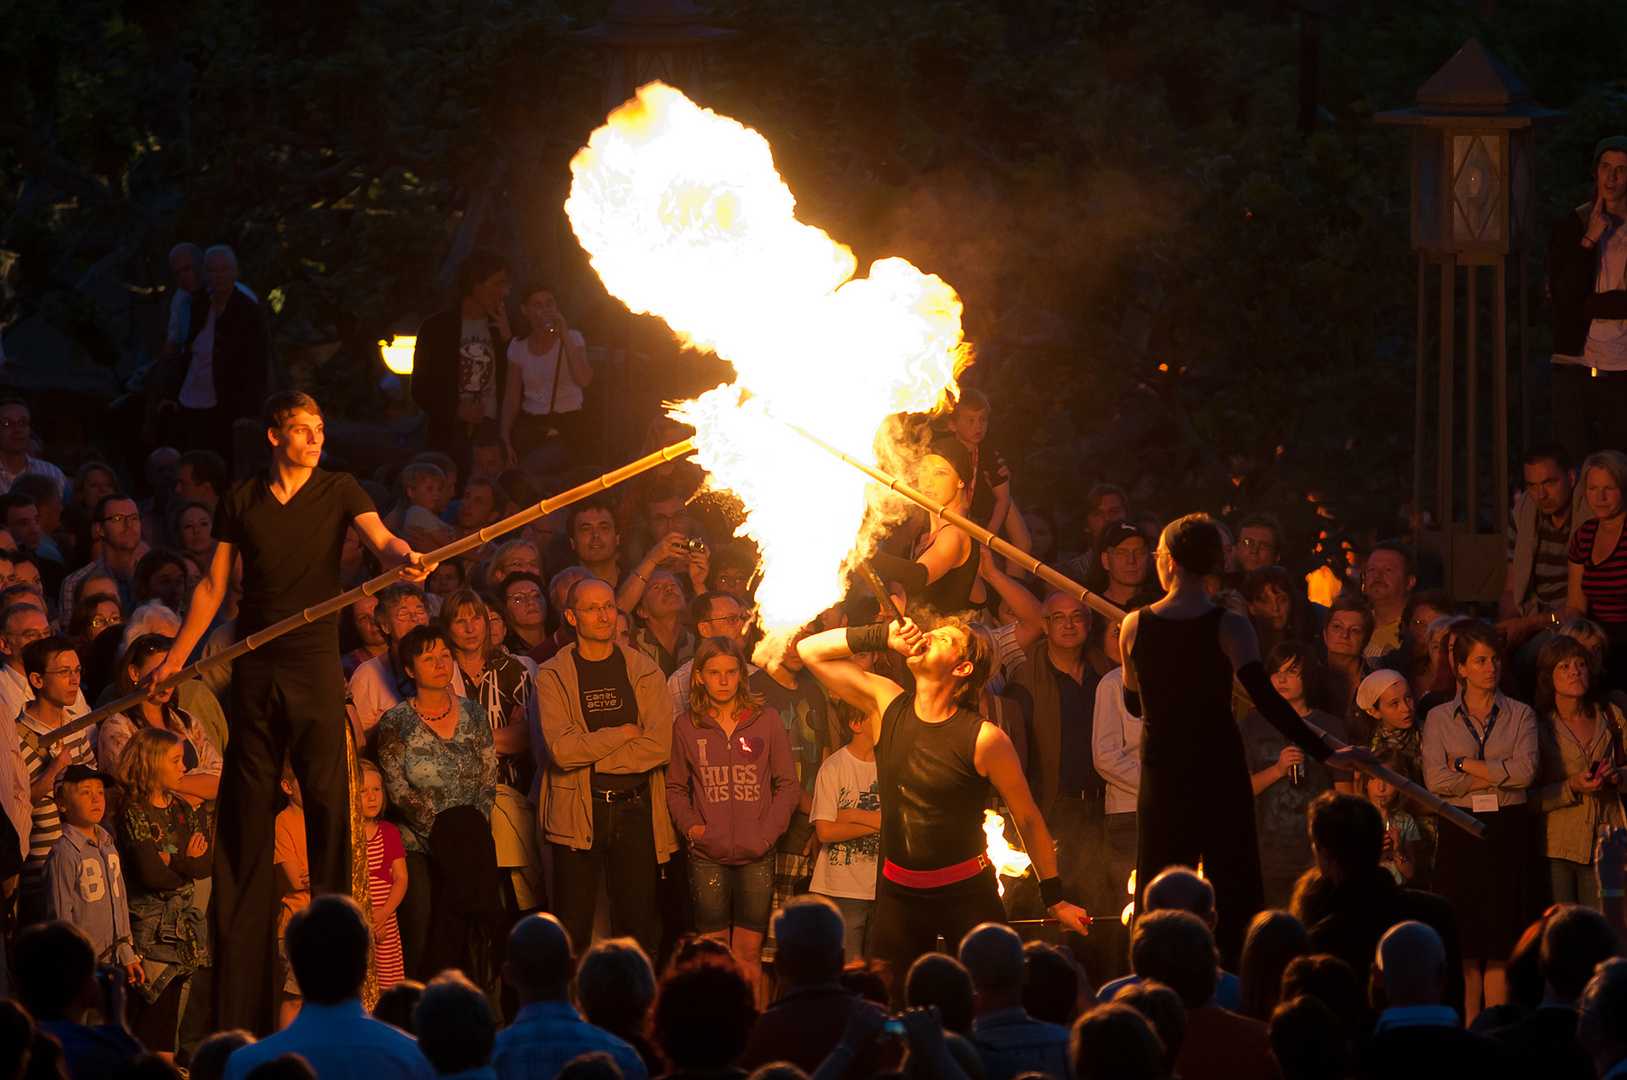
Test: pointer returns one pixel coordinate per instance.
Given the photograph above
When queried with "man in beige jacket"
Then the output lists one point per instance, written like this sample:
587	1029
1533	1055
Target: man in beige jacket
606	720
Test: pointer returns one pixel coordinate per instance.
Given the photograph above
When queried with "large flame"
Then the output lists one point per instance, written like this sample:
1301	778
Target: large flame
684	217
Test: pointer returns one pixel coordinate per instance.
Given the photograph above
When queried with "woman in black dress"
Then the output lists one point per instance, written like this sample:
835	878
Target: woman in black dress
1195	803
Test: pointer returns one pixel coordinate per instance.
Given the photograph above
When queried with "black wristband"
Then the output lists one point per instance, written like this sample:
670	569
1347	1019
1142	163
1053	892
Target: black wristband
871	638
1050	891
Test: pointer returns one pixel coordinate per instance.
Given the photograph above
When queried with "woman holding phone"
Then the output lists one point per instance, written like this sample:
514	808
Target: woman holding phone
1578	770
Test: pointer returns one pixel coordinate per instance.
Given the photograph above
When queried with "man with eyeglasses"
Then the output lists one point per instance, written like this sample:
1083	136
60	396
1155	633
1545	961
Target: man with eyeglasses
1056	688
53	672
716	614
663	538
605	739
20	625
117	523
16	428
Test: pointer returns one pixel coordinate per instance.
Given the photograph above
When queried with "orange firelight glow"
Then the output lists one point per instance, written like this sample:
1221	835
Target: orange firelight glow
685	217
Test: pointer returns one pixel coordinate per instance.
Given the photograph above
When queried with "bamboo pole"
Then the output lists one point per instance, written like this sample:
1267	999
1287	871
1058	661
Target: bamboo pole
975	531
373	585
1456	815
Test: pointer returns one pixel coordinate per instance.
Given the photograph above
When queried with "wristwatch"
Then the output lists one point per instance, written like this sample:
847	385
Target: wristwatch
1457	766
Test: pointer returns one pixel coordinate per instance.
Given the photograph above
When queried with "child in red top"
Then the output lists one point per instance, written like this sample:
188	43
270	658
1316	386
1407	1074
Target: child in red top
386	878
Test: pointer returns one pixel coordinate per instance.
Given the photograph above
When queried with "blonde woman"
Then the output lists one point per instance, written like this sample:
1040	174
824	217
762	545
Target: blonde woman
731	787
166	851
1598	557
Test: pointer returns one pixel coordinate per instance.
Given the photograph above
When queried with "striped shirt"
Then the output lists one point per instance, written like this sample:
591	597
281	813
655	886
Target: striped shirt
47	827
1605	584
1550	574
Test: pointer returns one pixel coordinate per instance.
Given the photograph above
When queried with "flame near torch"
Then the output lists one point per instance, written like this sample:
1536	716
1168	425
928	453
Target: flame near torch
684	217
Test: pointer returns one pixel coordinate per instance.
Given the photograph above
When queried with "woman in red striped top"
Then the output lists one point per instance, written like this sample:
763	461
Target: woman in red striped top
1598	557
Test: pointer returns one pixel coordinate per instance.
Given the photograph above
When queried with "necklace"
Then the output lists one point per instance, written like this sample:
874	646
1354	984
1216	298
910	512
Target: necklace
431	719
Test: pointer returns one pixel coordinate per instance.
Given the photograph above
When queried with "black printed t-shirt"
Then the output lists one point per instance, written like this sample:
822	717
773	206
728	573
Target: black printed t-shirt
607	701
290	551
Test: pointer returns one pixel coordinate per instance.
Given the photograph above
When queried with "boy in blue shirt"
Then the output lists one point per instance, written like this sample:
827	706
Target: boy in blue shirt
84	883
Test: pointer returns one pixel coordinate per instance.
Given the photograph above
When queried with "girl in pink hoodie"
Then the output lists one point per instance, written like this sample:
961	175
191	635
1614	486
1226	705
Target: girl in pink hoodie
731	787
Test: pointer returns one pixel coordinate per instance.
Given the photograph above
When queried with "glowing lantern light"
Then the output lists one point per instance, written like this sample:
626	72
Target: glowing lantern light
1007	860
398	353
684	217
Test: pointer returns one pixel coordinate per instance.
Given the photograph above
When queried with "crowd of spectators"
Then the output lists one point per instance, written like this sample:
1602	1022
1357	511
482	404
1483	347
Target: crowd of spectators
611	834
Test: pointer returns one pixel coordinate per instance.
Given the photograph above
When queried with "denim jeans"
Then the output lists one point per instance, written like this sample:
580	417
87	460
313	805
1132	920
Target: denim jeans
728	896
1573	883
623	852
855	922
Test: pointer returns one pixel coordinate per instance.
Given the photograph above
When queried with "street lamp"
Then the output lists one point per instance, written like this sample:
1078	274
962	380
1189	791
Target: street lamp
398	353
646	40
1473	201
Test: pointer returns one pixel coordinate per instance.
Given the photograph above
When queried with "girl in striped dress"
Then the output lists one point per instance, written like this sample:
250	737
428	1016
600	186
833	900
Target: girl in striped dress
386	878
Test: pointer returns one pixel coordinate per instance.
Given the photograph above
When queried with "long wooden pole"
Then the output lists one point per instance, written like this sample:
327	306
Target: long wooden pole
1455	815
974	530
373	585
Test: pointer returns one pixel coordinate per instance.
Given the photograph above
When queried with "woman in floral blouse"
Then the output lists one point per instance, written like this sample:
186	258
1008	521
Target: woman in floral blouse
165	851
436	752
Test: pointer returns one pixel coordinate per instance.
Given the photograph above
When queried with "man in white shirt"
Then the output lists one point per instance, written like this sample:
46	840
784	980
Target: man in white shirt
1116	750
16	428
329	947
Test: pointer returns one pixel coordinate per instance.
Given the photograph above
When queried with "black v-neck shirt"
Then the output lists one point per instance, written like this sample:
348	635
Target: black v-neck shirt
290	551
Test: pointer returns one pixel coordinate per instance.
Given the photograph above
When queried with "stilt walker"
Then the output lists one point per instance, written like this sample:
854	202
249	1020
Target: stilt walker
288	697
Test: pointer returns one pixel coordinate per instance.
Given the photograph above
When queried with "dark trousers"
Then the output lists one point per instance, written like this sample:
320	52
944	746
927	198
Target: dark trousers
908	922
623	853
1185	816
1581	400
288	703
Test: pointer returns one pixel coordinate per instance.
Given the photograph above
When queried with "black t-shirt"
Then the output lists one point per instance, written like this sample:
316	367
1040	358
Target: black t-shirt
607	701
290	551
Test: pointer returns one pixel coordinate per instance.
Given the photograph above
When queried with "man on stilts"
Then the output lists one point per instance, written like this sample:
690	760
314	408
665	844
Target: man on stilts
936	759
288	696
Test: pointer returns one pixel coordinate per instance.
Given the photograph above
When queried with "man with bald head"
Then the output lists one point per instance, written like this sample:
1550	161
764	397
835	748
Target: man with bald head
605	718
548	1032
1179	888
1416	1035
1055	686
1009	1041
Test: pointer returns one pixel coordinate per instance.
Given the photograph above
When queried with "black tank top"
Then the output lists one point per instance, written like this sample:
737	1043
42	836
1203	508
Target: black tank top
1186	682
931	794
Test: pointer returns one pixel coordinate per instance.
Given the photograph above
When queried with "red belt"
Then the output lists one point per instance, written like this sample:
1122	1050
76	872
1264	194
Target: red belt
932	879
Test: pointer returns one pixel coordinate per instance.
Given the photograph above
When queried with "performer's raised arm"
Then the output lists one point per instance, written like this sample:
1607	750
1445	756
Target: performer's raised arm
828	656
